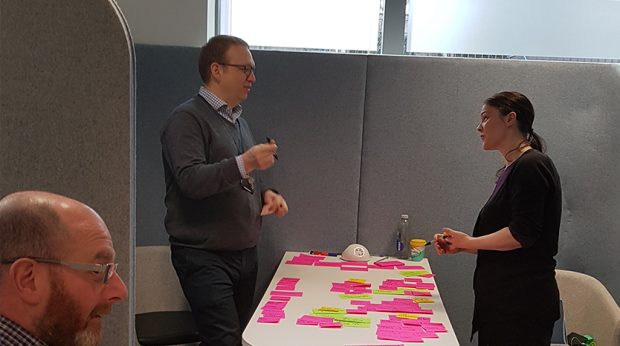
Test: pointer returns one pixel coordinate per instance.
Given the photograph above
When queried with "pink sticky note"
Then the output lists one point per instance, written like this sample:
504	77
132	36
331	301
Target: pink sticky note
274	305
406	267
354	269
388	263
314	320
357	284
418	294
360	302
280	298
434	327
268	320
327	264
273	313
330	325
286	293
426	286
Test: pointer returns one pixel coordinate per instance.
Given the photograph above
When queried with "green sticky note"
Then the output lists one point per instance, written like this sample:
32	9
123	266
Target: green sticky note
317	312
394	292
409	273
355	325
352	319
355	296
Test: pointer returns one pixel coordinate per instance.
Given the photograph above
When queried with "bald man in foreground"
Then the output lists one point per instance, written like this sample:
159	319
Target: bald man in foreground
57	274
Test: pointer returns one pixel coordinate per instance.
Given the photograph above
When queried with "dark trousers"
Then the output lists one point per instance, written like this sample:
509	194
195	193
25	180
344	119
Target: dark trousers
219	286
512	334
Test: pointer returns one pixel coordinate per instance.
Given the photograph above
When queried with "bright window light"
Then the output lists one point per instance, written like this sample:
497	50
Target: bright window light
337	25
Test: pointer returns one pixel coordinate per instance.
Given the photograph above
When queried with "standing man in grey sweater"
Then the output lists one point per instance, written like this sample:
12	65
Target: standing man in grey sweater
214	202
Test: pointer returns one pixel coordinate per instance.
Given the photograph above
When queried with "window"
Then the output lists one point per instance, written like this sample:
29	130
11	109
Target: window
319	25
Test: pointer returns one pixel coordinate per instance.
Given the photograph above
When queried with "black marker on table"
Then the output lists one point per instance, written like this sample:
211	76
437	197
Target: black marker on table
269	140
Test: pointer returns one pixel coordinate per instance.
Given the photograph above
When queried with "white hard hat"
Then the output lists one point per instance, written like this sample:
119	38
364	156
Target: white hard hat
355	253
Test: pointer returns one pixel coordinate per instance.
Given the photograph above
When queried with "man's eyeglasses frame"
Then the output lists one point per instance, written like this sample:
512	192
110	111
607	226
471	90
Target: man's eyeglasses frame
107	270
246	69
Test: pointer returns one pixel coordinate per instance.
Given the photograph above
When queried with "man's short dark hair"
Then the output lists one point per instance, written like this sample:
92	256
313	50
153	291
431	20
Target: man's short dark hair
215	51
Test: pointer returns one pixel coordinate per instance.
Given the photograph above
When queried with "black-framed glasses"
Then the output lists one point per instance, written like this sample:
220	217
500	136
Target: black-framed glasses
248	184
105	270
246	69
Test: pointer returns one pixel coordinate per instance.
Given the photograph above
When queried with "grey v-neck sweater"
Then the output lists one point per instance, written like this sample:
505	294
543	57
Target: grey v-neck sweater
206	206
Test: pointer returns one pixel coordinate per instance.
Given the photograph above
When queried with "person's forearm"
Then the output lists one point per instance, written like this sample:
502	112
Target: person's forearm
501	240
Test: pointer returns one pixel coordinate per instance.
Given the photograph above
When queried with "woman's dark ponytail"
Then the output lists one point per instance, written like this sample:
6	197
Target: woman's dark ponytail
536	141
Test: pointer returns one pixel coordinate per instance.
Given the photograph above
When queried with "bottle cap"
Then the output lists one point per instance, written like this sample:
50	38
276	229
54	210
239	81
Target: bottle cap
417	243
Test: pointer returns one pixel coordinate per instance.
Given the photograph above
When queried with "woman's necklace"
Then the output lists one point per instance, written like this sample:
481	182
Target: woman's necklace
520	147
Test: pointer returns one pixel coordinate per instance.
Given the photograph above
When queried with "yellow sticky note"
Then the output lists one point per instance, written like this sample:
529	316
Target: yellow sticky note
408	316
359	281
423	300
329	308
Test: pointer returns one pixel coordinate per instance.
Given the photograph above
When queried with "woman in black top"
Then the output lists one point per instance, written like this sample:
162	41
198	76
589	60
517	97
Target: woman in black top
516	233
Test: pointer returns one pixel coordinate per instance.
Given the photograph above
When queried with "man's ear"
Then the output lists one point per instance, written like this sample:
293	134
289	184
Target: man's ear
216	71
29	280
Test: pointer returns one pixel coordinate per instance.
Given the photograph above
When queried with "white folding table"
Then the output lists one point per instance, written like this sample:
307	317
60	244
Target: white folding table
315	283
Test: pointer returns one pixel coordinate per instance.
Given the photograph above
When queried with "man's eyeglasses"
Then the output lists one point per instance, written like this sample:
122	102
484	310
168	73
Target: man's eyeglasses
105	270
246	69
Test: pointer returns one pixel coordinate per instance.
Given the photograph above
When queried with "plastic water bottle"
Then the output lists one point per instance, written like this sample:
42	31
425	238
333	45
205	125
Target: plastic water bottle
402	237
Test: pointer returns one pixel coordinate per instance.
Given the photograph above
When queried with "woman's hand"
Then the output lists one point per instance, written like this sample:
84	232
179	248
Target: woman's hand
450	241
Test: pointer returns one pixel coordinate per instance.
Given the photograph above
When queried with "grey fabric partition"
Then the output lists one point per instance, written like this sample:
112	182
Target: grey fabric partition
422	155
312	104
166	76
363	139
298	100
66	116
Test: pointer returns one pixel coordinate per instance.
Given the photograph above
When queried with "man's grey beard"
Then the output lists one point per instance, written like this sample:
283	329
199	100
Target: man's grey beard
87	338
61	324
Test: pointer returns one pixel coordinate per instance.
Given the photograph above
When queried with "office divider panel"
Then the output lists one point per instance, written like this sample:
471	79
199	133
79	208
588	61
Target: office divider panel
312	104
166	76
66	116
422	155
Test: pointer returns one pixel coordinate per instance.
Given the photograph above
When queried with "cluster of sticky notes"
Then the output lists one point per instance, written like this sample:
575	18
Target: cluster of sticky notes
407	286
323	322
319	261
304	259
352	288
395	264
273	310
397	305
333	317
408	328
406	283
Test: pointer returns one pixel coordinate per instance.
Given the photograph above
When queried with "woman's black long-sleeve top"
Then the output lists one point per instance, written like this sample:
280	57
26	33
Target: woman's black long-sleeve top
519	286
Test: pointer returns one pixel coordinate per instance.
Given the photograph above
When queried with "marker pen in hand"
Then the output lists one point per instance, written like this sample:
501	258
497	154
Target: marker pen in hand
270	141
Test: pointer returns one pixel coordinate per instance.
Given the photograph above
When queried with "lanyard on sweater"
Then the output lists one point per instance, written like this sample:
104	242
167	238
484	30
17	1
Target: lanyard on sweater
238	140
